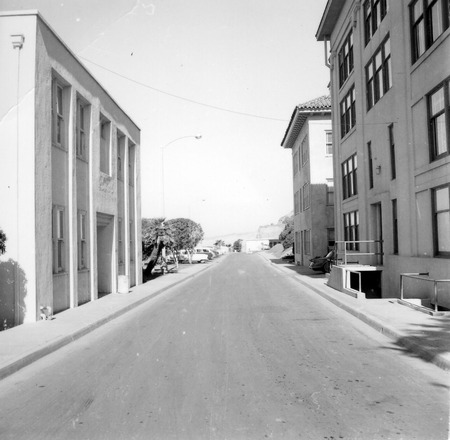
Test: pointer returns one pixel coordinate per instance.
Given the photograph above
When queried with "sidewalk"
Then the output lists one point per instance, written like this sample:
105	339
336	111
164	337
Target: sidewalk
416	333
24	344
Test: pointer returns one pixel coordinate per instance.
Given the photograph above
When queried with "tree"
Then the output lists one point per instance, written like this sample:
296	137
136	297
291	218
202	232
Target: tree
237	245
155	235
219	243
2	242
287	234
186	233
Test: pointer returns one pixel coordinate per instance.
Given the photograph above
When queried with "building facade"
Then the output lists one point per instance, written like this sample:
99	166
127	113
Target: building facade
70	181
309	136
390	70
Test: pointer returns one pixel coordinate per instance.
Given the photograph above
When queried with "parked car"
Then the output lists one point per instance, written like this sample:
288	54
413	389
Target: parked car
322	264
196	257
206	251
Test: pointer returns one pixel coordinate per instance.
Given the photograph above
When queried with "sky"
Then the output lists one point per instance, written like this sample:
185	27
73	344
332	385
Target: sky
230	71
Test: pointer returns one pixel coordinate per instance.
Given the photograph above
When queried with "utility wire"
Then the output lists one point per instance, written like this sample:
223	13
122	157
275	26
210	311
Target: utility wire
181	97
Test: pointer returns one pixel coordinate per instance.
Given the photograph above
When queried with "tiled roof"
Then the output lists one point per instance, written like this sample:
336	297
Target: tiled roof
318	106
322	103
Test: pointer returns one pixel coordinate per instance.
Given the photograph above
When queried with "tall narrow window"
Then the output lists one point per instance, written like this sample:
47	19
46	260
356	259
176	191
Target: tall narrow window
105	133
120	240
131	163
429	19
307	242
306	196
346	59
58	134
349	177
379	74
392	151
120	154
369	154
131	240
439	123
351	230
82	133
394	227
296	203
82	241
295	163
328	142
374	12
305	150
58	239
441	217
348	114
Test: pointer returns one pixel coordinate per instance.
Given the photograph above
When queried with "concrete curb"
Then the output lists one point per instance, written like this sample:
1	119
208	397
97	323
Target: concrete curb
51	347
408	343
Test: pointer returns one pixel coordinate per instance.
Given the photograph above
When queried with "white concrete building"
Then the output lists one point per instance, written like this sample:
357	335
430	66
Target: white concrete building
390	67
309	136
70	181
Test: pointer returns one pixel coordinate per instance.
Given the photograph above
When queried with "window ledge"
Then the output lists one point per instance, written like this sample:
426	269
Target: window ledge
430	50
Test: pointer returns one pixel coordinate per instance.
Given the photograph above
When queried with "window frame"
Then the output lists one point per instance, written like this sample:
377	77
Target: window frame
432	130
349	177
394	226
347	109
391	137
370	163
58	114
378	74
435	214
82	129
305	150
82	240
328	142
346	59
422	27
351	229
306	196
105	145
58	238
373	19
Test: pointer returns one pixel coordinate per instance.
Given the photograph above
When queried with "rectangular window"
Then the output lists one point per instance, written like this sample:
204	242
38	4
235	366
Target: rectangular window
374	12
439	121
130	163
120	240
429	19
330	238
392	151
300	200
58	123
82	241
328	142
346	59
295	163
351	230
296	203
131	240
394	227
369	154
305	150
120	154
306	196
441	218
105	145
348	115
349	177
330	195
379	74
58	232
307	242
297	243
82	131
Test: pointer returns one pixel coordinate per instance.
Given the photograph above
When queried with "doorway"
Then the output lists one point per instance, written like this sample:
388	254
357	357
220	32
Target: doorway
105	246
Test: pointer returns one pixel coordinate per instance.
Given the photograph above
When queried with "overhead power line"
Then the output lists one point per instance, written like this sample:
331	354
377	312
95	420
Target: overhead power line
192	101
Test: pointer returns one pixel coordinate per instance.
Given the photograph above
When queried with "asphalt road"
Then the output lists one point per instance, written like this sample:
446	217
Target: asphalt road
239	352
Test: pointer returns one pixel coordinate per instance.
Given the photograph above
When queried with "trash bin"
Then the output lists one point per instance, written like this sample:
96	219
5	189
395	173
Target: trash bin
124	284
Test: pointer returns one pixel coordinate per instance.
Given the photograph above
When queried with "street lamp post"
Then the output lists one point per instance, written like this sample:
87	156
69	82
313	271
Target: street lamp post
162	166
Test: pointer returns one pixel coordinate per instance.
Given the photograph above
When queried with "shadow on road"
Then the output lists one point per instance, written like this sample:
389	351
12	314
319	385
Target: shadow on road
301	270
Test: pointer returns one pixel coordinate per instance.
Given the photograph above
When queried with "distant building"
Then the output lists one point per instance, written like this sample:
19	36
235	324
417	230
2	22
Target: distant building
309	136
390	70
70	181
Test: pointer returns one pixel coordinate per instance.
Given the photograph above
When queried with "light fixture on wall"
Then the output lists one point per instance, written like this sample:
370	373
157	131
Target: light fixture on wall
378	169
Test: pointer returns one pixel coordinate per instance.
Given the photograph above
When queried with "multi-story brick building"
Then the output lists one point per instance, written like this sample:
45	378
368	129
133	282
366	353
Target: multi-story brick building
309	136
70	183
390	74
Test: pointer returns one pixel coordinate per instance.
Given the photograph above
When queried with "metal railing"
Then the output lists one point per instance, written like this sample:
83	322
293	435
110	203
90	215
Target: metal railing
342	255
424	277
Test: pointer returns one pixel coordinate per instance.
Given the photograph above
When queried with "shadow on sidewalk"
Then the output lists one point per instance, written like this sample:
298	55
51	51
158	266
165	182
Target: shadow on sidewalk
301	270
